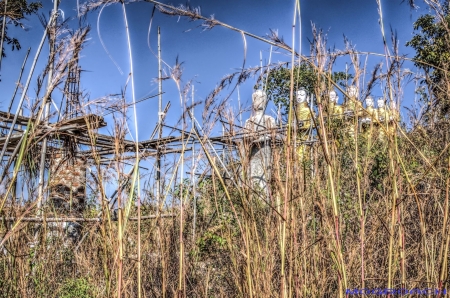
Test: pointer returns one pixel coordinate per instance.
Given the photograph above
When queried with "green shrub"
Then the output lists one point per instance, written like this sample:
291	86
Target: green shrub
76	287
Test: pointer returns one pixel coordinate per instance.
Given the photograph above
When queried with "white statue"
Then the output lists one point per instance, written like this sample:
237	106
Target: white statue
304	119
393	116
332	95
352	103
352	91
334	108
393	112
259	121
302	110
260	148
382	112
371	112
369	101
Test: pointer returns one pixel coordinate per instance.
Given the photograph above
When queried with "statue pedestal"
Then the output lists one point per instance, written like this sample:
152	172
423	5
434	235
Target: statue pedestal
261	164
258	137
67	196
69	232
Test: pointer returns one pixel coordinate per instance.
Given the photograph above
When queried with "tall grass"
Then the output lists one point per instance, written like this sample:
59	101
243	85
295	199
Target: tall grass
368	207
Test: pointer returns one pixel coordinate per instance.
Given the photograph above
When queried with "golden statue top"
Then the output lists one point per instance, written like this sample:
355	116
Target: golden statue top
382	111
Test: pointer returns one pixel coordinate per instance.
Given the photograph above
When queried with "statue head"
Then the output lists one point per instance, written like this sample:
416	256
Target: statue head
302	95
333	96
259	99
352	91
380	102
392	106
369	101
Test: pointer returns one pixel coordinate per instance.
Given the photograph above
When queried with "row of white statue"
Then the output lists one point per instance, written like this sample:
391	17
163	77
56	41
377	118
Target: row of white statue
258	125
352	107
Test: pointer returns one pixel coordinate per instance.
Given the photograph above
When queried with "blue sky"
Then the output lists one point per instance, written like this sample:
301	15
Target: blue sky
207	55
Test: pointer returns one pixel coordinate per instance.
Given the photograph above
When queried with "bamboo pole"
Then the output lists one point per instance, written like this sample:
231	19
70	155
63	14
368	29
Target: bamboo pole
15	164
52	40
194	223
181	268
443	250
158	157
18	81
52	37
288	184
136	168
158	163
360	200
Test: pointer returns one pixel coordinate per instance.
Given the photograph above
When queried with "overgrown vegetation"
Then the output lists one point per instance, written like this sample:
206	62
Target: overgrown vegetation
14	13
366	205
278	82
431	43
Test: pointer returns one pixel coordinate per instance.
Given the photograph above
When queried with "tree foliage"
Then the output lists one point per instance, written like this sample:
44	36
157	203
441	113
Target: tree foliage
279	82
432	45
16	12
